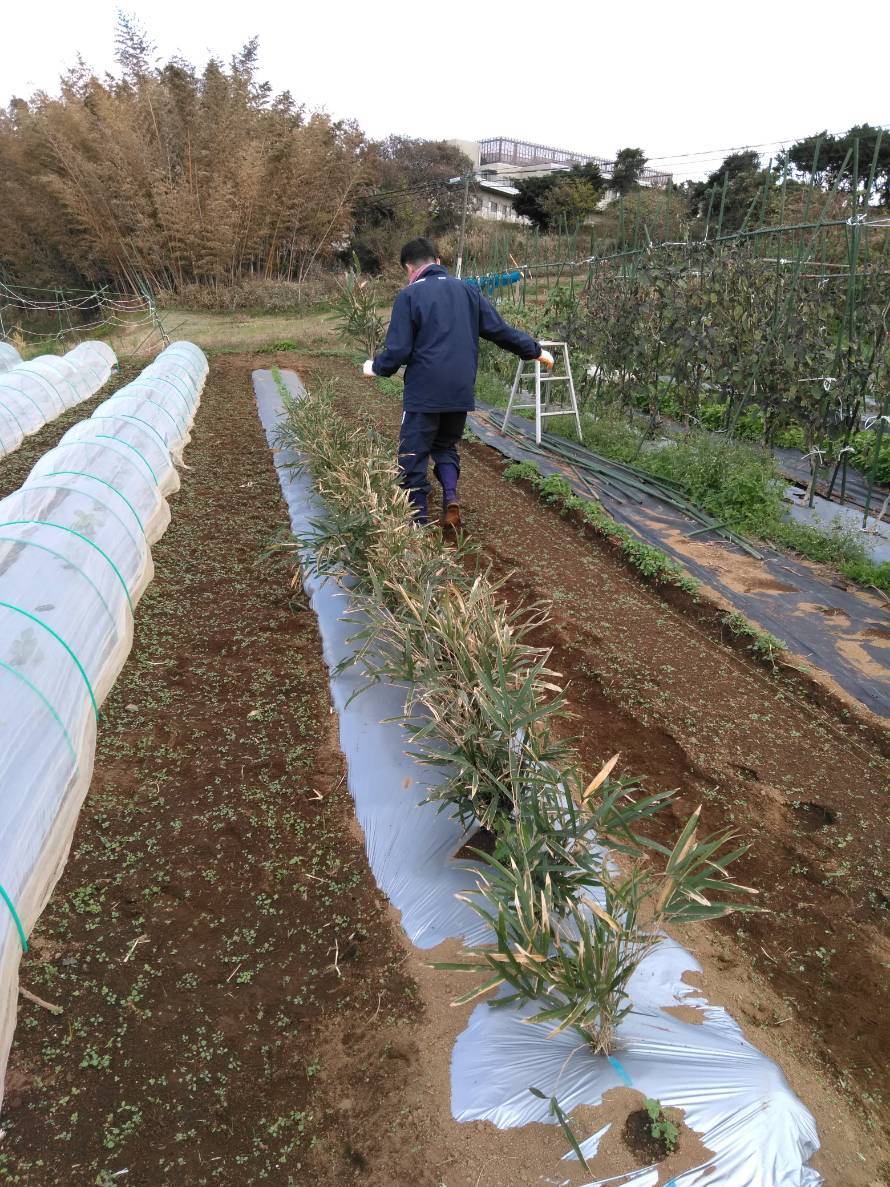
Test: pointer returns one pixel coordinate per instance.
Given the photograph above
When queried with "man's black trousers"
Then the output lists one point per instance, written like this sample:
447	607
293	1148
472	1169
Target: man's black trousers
425	435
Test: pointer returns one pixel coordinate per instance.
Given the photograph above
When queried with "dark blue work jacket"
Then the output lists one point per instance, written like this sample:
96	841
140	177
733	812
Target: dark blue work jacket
435	328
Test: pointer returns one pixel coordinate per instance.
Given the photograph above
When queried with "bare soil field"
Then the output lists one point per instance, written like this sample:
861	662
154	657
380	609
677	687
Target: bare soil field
239	1002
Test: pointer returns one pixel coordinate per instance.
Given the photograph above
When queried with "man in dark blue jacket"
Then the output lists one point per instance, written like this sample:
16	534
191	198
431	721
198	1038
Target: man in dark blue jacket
435	328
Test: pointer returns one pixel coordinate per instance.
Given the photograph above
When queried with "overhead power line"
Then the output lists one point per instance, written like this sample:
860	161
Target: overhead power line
708	152
675	161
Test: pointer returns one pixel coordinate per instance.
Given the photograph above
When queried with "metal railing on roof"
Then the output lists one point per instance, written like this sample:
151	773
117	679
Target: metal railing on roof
507	151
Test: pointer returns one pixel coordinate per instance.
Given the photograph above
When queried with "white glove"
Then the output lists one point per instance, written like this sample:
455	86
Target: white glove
546	358
368	369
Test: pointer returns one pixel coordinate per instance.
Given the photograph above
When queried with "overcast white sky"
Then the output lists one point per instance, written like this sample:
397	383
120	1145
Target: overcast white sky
681	78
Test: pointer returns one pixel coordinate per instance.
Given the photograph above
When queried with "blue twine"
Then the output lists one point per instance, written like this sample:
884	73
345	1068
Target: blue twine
623	1075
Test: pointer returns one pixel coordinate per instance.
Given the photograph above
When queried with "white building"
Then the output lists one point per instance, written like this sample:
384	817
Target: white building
500	160
495	198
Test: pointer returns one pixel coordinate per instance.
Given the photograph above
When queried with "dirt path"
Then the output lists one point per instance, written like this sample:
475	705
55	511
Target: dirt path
803	782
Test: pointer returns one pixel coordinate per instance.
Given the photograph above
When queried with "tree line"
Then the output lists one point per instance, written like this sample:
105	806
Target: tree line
169	175
737	190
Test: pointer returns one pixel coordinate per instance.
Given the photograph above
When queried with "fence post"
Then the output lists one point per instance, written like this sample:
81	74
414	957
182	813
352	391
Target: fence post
153	313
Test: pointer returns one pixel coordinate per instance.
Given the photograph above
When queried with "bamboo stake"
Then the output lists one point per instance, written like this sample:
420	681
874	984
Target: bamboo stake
38	1001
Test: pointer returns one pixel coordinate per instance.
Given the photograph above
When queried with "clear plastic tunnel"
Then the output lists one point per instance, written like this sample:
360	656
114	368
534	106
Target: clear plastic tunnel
74	561
136	404
9	356
100	353
144	440
34	393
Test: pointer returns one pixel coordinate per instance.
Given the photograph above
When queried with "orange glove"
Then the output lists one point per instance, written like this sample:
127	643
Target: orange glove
546	358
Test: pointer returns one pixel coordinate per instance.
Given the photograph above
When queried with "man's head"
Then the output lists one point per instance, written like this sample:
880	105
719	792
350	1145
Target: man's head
417	253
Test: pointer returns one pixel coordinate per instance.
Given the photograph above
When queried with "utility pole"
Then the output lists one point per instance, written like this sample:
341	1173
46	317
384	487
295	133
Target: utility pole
463	225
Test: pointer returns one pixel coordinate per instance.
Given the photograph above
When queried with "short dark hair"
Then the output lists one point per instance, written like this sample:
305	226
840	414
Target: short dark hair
418	251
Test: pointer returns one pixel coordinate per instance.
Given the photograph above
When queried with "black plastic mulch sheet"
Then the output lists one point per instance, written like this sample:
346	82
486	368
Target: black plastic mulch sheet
841	630
796	466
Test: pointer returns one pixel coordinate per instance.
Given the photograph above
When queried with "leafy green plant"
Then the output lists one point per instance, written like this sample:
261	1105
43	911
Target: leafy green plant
389	386
764	645
358	320
662	1129
574	956
556	1111
488	696
865	455
732	481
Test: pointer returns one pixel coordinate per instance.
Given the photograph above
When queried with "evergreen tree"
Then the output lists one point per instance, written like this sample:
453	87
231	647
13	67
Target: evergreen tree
580	188
730	189
823	157
629	165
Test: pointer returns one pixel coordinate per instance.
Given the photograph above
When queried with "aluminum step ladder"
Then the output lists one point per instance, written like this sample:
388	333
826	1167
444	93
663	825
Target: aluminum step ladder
544	402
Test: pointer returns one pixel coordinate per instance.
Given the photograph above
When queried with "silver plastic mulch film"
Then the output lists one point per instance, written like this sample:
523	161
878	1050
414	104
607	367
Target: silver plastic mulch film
736	1099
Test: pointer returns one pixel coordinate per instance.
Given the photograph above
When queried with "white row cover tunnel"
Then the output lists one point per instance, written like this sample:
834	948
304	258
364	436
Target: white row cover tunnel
9	356
74	560
34	393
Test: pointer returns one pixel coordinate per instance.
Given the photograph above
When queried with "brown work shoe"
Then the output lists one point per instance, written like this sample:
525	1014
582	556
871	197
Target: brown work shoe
451	522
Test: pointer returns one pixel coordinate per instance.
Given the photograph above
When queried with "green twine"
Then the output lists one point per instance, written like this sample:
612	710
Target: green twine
95	478
33	687
46	524
59	639
15	916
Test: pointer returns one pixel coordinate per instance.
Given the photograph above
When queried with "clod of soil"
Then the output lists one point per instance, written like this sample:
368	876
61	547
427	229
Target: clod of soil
814	816
481	841
638	1137
747	773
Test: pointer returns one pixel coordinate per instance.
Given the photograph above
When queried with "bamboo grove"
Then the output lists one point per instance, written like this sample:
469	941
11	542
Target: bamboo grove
570	920
174	177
